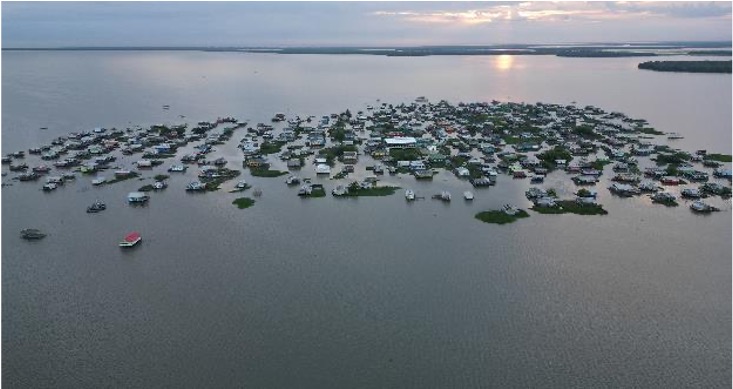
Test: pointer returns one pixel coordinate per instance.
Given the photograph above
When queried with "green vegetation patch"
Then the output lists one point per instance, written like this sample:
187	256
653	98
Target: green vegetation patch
549	157
258	172
335	152
674	158
145	188
271	147
666	202
356	191
405	154
122	178
719	157
161	177
500	217
599	164
243	202
569	206
649	131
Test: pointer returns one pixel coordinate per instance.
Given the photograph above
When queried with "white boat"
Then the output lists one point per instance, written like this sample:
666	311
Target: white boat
323	169
195	186
49	187
292	180
137	197
99	181
177	168
340	190
242	185
159	185
701	207
409	195
468	195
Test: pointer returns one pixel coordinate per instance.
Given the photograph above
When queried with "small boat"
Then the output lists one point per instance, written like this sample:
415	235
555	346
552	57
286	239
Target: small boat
339	190
98	206
137	197
510	210
409	195
701	207
691	193
241	185
99	181
31	234
195	187
444	196
131	239
160	185
468	195
177	168
166	106
49	187
292	180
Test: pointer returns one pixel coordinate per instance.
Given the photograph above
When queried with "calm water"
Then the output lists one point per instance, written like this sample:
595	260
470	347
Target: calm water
368	292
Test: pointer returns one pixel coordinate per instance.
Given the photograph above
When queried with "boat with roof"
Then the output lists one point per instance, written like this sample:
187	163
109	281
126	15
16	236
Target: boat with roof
131	239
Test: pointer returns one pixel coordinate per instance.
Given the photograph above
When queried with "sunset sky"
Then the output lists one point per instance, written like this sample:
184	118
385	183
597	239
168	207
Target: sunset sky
57	24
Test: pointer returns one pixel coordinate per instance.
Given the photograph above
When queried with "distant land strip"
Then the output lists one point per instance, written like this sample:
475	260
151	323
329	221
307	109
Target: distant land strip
589	51
688	66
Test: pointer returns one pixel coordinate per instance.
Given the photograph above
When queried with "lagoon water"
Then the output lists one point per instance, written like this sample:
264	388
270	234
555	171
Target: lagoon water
367	292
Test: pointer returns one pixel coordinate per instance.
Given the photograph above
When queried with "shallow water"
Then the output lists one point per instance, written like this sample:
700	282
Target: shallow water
366	292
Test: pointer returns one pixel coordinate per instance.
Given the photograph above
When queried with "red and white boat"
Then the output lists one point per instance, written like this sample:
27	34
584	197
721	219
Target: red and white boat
131	239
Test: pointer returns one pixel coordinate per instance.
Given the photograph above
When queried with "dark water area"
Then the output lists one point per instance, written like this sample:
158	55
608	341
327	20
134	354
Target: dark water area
355	292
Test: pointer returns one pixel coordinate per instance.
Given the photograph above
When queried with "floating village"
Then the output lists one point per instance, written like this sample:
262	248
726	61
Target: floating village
477	142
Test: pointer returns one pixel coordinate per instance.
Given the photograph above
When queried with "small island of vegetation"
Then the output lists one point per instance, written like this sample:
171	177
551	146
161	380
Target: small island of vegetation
243	202
501	216
688	66
569	206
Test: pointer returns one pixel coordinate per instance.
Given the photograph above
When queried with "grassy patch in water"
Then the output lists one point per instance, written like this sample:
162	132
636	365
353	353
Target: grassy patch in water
122	178
243	202
569	206
376	191
266	172
161	177
146	188
719	157
500	217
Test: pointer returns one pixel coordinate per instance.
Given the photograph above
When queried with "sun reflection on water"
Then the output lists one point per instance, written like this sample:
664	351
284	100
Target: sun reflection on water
504	62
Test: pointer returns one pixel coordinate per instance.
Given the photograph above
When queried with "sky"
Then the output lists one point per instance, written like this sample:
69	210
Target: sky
283	24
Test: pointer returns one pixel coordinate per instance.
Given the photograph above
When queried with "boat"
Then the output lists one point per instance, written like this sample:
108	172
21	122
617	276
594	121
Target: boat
98	206
137	197
409	195
444	196
99	181
468	195
510	209
131	239
177	168
49	187
701	207
292	180
305	190
195	187
32	234
241	185
339	190
663	197
160	185
323	169
691	193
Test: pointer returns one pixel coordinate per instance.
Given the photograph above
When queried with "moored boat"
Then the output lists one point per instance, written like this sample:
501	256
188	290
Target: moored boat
702	207
409	195
31	234
98	206
468	195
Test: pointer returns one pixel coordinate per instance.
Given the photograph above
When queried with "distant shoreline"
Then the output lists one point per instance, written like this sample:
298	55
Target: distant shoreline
688	66
583	51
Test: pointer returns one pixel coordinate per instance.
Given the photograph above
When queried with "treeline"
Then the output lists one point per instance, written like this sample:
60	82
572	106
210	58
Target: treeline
688	66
